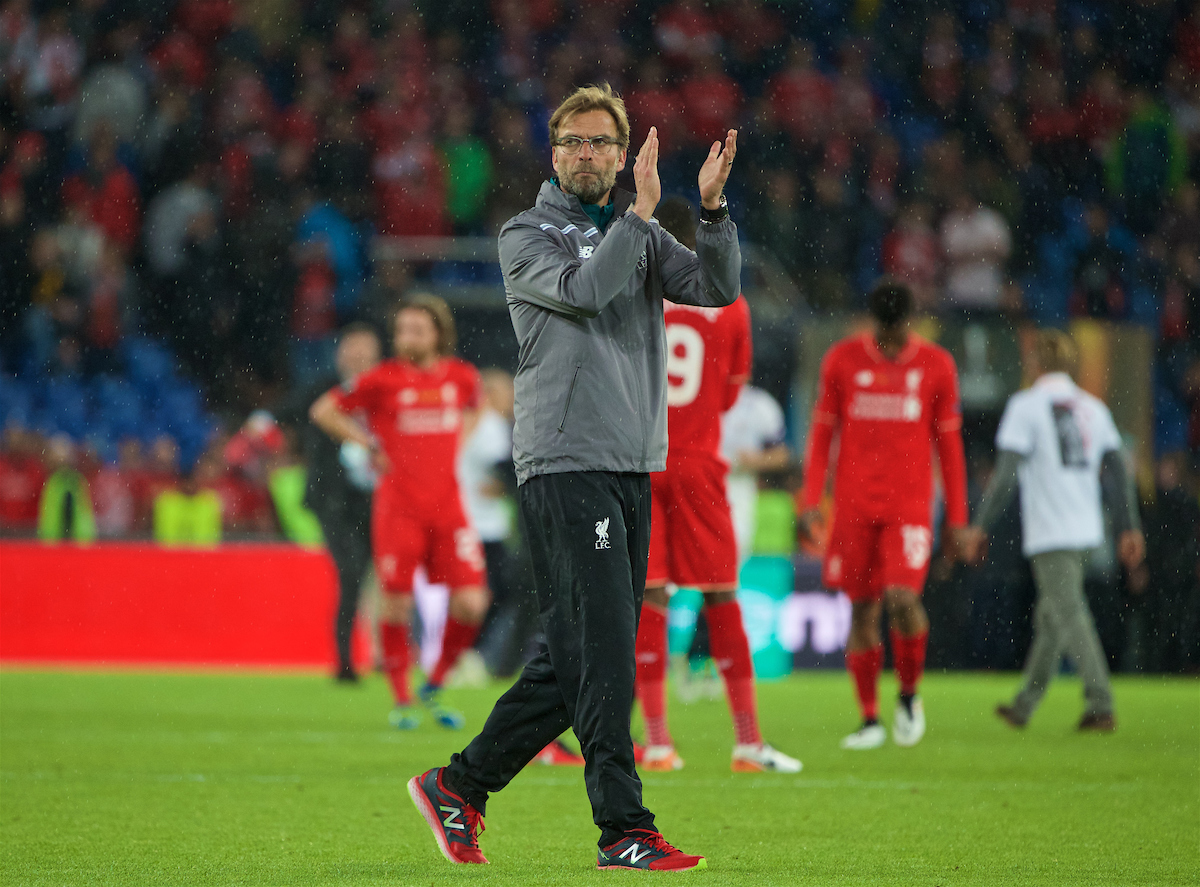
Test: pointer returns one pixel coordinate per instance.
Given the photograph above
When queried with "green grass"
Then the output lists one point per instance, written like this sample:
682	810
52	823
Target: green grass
207	779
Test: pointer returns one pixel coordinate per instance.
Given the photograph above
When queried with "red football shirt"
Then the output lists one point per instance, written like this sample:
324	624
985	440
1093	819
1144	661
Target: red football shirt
417	416
708	360
889	417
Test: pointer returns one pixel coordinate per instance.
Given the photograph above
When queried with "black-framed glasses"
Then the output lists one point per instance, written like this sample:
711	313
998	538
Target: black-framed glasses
599	144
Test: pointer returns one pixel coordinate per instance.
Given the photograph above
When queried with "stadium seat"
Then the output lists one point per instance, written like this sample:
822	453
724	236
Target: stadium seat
16	402
64	408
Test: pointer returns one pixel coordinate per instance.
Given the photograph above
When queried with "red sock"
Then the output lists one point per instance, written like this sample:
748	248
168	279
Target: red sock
394	639
908	657
731	652
457	637
651	673
864	666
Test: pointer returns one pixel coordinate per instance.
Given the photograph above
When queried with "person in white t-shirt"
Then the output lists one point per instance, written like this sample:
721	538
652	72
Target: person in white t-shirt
752	435
1059	444
977	243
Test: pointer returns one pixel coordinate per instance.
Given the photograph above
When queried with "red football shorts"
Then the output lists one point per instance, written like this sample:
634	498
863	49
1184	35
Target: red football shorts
438	537
866	556
691	529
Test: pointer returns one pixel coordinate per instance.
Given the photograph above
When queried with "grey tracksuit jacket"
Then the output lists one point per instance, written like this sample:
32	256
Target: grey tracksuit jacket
588	312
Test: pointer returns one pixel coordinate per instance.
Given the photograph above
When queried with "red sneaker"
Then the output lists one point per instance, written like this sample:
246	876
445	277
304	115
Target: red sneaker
557	754
644	849
455	823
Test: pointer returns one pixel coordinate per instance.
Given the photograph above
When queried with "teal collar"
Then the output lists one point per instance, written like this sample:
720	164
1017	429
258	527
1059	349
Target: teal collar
600	215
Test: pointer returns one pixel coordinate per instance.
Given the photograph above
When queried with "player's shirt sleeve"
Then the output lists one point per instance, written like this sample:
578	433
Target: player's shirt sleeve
1108	437
742	353
826	417
1016	431
360	393
947	413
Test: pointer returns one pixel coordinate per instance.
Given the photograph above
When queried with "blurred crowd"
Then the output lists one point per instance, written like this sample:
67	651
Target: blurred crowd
194	194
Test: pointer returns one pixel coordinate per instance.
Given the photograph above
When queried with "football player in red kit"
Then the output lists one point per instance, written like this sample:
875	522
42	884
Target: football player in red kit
417	408
692	542
891	399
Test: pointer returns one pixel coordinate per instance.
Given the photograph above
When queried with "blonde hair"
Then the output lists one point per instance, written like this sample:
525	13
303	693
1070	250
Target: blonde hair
443	318
1056	352
593	98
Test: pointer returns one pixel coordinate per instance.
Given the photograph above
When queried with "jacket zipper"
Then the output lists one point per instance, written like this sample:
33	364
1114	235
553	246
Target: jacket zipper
570	394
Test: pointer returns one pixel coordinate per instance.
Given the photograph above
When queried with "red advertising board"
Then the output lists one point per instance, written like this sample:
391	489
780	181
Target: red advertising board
134	603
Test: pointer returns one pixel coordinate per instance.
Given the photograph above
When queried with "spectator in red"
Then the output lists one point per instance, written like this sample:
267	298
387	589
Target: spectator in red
105	192
653	101
1051	126
114	491
205	20
107	304
314	314
1100	110
752	33
855	102
22	476
801	96
686	32
711	98
941	65
353	54
912	253
159	474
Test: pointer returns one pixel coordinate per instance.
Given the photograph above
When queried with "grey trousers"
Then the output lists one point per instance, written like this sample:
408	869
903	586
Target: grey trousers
1062	624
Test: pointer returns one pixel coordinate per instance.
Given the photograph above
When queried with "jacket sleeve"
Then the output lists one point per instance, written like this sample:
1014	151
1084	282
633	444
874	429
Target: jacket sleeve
539	270
711	276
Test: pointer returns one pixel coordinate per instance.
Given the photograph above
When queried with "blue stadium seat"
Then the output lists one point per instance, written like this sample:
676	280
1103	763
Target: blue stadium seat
16	402
116	406
147	362
64	407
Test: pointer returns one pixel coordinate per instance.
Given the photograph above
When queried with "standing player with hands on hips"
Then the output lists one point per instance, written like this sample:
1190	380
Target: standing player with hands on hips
891	398
419	406
692	540
585	272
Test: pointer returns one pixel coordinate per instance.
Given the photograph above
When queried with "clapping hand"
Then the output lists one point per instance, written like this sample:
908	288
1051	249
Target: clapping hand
715	171
645	177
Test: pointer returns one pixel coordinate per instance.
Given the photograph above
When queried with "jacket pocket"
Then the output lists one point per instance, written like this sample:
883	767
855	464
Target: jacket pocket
570	394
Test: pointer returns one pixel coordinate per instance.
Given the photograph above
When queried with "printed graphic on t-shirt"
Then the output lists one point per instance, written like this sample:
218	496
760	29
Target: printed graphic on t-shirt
1070	436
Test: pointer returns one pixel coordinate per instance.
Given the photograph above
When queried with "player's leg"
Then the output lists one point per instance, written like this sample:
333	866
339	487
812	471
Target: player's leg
731	652
704	553
456	558
395	637
909	629
850	564
905	550
651	647
396	545
864	662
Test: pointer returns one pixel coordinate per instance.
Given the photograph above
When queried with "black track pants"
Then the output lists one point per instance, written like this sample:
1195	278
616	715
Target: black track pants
589	536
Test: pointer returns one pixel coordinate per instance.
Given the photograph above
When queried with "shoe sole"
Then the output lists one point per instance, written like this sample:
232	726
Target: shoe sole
670	766
702	864
421	802
845	746
742	766
906	743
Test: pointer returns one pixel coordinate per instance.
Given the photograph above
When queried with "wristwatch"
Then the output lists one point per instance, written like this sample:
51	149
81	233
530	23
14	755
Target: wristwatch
712	216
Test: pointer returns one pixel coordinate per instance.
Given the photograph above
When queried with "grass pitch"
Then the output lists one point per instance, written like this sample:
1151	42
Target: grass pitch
211	779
